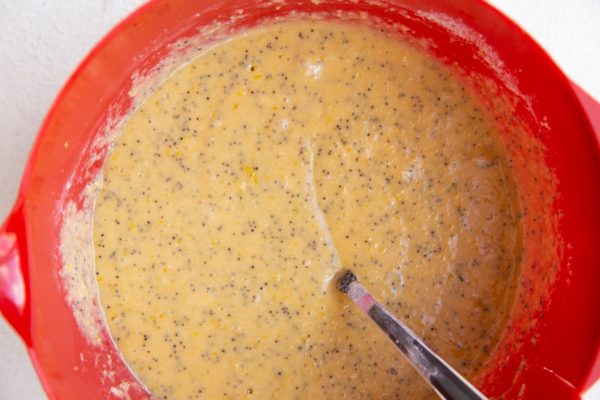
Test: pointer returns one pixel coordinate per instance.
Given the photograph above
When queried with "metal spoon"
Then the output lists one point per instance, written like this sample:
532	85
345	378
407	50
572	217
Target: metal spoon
446	382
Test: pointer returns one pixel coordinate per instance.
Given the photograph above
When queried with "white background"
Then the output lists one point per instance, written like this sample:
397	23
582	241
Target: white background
42	41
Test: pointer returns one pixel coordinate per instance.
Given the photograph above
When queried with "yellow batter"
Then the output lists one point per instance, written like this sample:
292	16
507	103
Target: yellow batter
258	170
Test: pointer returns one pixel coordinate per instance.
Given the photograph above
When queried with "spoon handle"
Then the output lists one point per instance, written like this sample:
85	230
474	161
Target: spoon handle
446	382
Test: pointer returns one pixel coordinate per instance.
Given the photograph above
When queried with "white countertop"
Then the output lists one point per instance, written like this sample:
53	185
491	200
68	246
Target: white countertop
42	41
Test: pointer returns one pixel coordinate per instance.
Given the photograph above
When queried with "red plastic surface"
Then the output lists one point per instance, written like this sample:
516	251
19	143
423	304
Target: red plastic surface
592	108
560	365
12	283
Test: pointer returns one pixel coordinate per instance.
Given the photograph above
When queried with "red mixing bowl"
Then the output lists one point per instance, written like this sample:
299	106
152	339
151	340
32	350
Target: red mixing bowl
550	348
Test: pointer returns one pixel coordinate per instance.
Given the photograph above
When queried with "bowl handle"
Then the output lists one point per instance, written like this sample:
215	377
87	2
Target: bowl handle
591	387
591	107
13	295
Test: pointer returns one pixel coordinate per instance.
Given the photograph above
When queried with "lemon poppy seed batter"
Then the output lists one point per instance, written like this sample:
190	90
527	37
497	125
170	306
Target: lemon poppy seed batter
255	172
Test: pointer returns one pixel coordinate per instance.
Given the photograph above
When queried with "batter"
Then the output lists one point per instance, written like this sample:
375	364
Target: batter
256	171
